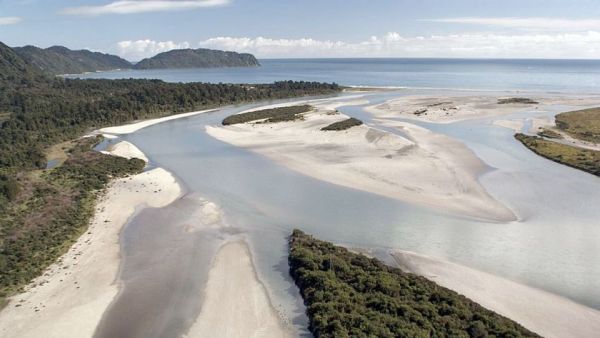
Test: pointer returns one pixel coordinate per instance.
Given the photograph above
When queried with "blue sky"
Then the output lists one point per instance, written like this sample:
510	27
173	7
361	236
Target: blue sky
308	28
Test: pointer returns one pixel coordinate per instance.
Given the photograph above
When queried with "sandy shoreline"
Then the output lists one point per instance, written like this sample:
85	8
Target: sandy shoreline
133	127
429	169
69	299
542	312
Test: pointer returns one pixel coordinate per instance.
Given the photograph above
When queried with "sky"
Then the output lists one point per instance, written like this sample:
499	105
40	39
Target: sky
135	29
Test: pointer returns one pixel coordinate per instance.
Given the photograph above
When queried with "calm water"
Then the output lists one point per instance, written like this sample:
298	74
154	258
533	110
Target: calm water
553	247
582	76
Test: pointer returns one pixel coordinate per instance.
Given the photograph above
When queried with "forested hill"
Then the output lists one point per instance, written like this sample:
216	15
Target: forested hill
197	58
13	68
61	60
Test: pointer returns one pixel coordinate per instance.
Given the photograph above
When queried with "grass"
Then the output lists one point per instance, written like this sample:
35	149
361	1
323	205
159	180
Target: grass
51	210
343	125
581	124
350	295
521	100
272	115
582	159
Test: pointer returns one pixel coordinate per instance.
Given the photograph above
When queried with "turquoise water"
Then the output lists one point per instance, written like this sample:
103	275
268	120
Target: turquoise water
581	76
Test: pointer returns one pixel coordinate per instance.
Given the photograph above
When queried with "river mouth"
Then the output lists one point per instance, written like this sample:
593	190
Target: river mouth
262	201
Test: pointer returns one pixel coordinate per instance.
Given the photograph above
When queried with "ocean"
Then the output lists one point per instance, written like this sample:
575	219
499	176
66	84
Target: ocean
569	76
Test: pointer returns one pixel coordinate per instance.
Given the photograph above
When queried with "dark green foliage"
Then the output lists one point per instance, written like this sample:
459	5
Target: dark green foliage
343	125
58	110
350	295
9	188
272	115
60	60
197	58
52	212
578	158
521	100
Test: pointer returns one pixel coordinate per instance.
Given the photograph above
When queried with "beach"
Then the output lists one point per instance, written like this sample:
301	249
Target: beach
542	312
69	299
424	168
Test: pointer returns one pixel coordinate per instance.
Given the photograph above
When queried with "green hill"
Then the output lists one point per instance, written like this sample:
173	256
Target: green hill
61	60
197	58
13	68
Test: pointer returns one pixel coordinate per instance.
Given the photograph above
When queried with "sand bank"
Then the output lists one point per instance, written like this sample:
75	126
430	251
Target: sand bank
236	303
126	150
429	169
69	299
445	109
544	313
133	127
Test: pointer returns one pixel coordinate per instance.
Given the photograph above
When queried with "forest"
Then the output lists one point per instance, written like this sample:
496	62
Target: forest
351	295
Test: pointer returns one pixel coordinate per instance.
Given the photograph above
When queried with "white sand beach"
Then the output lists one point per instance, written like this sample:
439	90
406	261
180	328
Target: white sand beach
236	303
133	127
430	169
542	312
68	300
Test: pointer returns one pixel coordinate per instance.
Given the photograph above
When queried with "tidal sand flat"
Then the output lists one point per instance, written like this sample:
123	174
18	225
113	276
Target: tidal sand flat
424	168
236	303
544	313
461	107
69	299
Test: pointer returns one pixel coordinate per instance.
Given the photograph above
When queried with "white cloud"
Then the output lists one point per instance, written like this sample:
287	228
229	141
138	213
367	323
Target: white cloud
531	23
140	49
141	6
393	44
9	20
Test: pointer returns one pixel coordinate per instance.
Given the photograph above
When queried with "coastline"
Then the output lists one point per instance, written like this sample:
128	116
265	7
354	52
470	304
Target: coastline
545	313
69	299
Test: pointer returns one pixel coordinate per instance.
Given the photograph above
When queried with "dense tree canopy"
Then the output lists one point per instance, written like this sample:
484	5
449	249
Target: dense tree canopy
351	295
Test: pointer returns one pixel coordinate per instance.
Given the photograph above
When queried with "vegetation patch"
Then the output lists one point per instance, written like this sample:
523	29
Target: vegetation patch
520	100
351	295
549	133
343	125
50	209
579	158
581	124
271	115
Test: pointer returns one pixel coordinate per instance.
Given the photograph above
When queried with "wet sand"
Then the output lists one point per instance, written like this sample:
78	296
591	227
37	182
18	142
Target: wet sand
236	303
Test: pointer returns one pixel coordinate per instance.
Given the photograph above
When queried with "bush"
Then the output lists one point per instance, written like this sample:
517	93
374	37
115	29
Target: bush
343	125
272	115
351	295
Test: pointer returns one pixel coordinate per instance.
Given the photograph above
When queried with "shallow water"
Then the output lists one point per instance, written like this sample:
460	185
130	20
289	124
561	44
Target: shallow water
553	246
